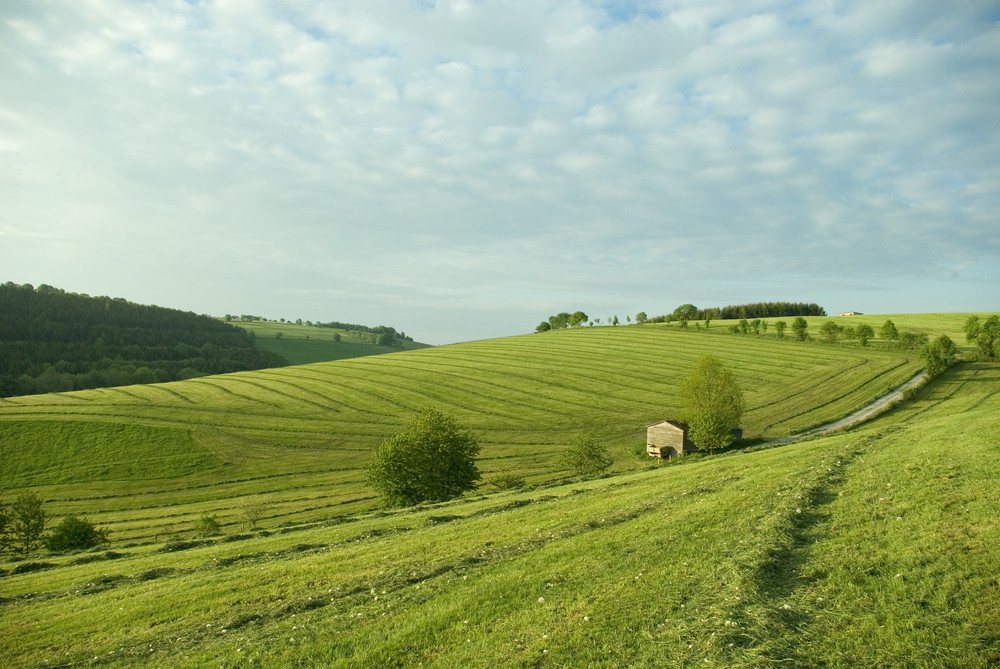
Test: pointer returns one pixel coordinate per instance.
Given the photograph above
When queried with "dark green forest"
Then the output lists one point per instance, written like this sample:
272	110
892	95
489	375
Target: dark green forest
54	341
758	310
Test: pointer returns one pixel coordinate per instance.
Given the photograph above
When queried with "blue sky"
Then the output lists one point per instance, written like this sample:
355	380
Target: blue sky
462	170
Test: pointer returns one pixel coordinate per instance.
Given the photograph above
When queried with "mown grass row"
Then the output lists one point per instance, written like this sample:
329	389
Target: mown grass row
151	460
873	548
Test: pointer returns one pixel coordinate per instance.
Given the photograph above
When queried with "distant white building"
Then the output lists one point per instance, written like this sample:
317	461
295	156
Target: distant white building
852	313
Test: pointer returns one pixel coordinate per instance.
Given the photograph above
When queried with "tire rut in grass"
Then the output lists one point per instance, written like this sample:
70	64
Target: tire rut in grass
778	574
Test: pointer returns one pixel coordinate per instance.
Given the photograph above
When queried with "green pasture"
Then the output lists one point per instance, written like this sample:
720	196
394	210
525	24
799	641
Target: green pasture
873	548
164	455
931	325
305	344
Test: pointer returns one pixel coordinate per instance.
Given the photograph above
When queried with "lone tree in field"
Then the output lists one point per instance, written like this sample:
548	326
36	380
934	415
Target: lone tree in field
713	404
252	510
430	460
27	522
586	457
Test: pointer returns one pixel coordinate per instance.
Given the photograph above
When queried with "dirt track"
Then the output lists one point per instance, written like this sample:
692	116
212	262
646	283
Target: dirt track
859	416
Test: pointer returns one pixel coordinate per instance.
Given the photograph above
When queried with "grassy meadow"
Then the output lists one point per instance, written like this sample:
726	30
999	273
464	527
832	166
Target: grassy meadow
878	548
149	461
931	325
305	344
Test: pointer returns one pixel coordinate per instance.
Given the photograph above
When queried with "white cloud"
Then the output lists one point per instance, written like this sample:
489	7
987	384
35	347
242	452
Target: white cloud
526	153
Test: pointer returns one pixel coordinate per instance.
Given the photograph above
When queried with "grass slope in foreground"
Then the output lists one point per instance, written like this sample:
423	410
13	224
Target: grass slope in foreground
302	435
877	548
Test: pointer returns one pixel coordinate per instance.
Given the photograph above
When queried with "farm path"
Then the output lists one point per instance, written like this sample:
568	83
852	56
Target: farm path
859	416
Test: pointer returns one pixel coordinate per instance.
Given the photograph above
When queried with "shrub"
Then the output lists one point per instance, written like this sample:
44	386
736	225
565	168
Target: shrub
208	526
506	481
586	457
75	533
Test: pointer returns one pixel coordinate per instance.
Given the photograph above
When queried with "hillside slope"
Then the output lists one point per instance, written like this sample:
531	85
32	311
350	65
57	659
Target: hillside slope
173	452
52	341
306	344
873	548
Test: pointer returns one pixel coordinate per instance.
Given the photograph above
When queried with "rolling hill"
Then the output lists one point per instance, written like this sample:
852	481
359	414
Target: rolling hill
305	344
52	340
877	547
148	461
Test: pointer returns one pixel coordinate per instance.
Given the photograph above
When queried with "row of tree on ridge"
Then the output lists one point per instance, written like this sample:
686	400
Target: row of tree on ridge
689	312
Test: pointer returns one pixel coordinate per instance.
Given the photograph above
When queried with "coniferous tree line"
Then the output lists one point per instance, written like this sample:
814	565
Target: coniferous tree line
54	341
758	310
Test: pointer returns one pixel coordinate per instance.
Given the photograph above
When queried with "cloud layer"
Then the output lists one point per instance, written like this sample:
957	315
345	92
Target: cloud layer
463	169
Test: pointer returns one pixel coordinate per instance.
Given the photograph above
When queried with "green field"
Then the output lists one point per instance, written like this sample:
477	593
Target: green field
301	435
305	344
874	548
931	325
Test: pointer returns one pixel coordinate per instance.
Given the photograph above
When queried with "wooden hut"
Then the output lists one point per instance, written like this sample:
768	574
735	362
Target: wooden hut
667	439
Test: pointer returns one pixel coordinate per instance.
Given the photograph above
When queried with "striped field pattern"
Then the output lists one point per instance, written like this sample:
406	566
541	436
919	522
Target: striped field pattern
878	547
148	461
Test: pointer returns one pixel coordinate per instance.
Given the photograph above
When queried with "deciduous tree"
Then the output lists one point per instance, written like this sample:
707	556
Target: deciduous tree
430	459
684	313
27	522
587	457
889	331
939	355
864	333
252	510
830	332
560	320
912	340
984	335
713	403
801	328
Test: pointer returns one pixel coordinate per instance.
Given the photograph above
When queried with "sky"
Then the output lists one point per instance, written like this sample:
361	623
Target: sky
463	169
